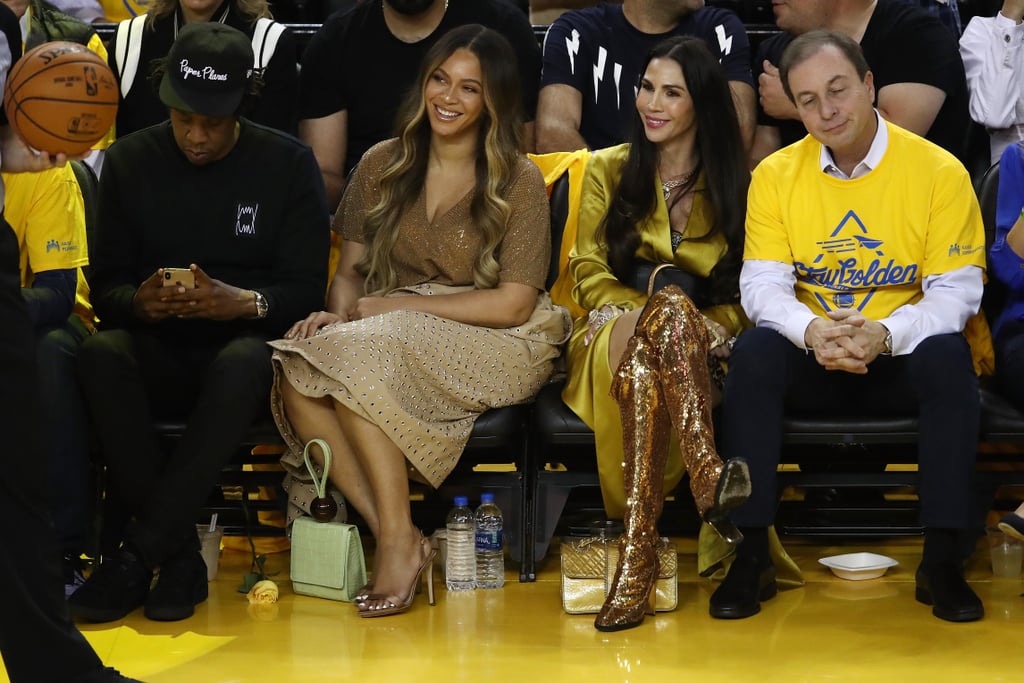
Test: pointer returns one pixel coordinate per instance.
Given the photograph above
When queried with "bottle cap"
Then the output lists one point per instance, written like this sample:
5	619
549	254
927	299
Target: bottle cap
486	497
461	501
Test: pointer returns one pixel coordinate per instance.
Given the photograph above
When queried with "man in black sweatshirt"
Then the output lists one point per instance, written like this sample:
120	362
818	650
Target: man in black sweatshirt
213	238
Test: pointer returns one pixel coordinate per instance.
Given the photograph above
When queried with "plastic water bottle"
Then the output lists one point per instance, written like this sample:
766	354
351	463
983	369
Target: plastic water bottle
460	564
490	556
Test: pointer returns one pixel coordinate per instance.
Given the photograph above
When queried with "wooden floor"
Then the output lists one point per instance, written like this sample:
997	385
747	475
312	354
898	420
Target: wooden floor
830	630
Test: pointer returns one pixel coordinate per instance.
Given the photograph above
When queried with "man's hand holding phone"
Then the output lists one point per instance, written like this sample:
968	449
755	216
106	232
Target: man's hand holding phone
208	298
190	293
150	301
179	277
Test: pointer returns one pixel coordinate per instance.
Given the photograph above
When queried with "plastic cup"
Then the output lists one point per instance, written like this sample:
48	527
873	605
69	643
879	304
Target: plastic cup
209	548
1007	554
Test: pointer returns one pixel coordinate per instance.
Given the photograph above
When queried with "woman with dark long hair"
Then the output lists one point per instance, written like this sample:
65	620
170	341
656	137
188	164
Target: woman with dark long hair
437	312
640	366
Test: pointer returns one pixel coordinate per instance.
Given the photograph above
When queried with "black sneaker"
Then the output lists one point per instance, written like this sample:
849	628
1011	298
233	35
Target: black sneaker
113	590
180	586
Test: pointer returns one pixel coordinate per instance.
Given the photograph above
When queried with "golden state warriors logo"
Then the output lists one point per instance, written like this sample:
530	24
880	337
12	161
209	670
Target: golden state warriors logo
853	265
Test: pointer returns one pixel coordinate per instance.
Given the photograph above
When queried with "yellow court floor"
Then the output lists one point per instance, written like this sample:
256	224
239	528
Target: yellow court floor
830	630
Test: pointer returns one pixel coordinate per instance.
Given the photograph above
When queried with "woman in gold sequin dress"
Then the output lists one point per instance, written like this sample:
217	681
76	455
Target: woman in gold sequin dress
437	312
638	367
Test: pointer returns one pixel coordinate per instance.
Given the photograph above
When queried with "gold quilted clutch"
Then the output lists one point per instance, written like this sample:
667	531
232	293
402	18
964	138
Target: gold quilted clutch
586	575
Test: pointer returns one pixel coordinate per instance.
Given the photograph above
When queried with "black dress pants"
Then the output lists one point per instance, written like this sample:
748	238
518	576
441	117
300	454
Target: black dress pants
38	641
129	377
769	377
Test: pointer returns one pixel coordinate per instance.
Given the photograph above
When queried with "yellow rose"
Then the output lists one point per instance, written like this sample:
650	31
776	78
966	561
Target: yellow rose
263	593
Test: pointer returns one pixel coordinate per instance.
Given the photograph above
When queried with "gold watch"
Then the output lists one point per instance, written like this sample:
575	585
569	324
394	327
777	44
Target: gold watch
261	304
887	344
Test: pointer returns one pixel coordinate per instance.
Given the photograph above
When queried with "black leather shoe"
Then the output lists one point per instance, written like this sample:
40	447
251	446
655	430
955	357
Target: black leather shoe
180	586
745	586
944	588
114	589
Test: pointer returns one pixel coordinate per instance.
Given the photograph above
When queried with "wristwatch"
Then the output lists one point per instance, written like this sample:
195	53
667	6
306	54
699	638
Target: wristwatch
887	344
261	304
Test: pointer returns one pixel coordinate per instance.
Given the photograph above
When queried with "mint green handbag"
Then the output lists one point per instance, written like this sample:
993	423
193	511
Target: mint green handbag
327	557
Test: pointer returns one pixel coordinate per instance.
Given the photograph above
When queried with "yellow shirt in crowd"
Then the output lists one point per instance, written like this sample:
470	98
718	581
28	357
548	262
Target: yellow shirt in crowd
118	10
47	213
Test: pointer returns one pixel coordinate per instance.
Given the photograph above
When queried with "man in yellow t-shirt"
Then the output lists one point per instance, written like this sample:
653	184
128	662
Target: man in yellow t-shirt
864	260
47	214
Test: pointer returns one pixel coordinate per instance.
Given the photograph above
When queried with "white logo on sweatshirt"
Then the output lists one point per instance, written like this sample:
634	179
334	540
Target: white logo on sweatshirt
245	220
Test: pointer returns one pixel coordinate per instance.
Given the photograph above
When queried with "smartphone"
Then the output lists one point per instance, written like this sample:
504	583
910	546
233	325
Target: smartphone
175	276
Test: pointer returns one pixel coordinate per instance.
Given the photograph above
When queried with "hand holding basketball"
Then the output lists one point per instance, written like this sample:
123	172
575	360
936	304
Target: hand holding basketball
61	98
17	157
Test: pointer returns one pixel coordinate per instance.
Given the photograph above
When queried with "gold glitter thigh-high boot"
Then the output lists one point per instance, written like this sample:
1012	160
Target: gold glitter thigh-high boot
673	325
645	438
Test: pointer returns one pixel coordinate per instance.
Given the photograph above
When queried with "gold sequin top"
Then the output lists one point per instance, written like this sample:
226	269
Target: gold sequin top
444	251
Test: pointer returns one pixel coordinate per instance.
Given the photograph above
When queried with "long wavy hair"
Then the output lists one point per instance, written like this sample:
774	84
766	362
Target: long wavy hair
499	140
720	156
254	9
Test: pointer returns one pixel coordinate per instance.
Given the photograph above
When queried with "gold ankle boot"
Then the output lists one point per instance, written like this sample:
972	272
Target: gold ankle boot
674	326
645	435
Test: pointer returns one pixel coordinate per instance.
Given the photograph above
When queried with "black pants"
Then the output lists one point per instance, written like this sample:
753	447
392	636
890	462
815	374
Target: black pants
38	642
67	443
130	377
769	376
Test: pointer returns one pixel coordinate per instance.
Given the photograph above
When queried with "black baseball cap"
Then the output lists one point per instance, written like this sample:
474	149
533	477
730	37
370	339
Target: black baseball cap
207	69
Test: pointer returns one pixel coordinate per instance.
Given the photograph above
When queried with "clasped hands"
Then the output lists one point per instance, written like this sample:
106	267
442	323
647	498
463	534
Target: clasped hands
210	299
364	307
845	340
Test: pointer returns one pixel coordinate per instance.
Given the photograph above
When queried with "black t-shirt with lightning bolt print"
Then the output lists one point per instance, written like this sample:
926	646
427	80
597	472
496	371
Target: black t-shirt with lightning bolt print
600	54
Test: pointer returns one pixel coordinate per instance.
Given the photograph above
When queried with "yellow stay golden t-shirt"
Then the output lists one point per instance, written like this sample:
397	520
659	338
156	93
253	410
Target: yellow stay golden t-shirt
866	243
47	214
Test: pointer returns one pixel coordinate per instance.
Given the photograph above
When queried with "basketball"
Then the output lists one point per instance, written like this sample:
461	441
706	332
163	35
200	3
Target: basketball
61	97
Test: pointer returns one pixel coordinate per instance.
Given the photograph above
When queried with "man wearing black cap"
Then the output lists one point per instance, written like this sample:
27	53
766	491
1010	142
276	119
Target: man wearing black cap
241	207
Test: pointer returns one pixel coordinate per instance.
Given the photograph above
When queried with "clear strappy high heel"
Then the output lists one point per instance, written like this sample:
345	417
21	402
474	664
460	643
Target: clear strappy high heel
388	607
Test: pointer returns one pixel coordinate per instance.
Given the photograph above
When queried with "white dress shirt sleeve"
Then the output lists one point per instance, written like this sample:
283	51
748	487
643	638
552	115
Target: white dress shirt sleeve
992	49
949	301
769	299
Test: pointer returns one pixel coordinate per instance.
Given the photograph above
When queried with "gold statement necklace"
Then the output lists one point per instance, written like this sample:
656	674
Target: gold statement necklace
667	186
